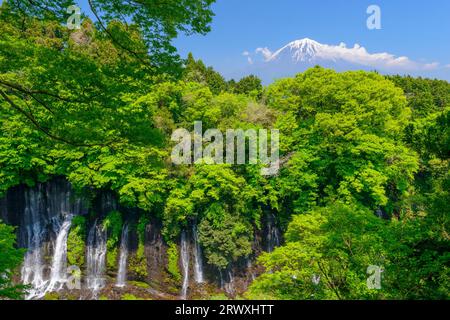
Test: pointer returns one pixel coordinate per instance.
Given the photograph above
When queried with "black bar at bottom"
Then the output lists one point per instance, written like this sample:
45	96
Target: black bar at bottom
229	309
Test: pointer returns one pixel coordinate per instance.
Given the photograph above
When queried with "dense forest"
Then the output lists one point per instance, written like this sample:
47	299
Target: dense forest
364	178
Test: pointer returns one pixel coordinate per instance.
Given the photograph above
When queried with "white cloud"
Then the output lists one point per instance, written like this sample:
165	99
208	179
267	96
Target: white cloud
448	66
267	54
431	66
309	50
360	55
249	58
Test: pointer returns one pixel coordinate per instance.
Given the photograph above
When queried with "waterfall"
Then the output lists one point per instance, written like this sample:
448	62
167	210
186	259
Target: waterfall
184	264
229	284
34	229
250	269
59	262
273	233
96	257
122	273
198	263
44	227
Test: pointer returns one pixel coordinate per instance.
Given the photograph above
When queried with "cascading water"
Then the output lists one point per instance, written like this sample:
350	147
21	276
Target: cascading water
198	263
250	269
122	273
273	233
58	274
44	213
96	257
34	234
228	286
44	227
184	264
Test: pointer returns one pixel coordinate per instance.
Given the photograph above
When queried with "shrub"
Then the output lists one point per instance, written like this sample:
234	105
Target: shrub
76	242
172	265
113	224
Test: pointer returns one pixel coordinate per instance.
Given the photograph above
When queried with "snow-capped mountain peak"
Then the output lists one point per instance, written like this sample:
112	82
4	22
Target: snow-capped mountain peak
300	50
310	51
302	54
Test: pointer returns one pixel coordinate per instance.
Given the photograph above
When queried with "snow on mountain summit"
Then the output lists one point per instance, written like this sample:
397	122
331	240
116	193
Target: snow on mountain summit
300	50
299	55
307	50
311	51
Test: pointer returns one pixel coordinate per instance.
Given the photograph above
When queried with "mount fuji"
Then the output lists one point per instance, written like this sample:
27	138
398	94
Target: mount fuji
299	55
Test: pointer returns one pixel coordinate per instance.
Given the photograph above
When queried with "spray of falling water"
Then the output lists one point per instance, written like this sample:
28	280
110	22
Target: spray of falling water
273	233
96	258
59	261
122	273
33	267
184	264
198	263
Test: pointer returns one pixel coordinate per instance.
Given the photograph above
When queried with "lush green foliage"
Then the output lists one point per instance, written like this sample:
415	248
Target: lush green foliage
138	262
196	71
113	225
364	176
76	243
172	262
250	85
391	164
337	243
10	258
151	21
224	237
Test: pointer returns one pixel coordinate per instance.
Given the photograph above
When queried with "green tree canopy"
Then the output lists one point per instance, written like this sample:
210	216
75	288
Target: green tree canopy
157	23
249	85
10	259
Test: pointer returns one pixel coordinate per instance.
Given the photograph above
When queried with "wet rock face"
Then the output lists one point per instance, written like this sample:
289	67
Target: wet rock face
156	253
13	205
43	203
103	203
3	209
270	233
39	212
43	215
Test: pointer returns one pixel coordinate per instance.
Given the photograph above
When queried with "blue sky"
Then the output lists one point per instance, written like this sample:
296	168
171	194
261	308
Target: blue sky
417	29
